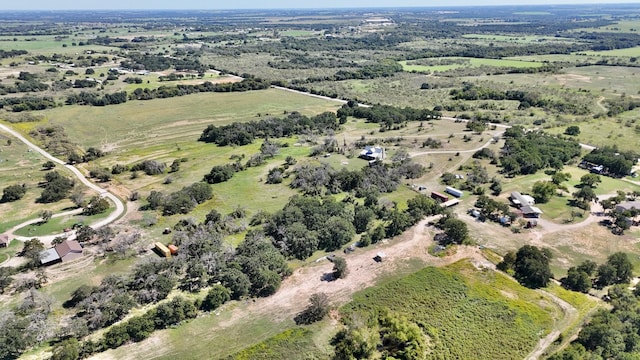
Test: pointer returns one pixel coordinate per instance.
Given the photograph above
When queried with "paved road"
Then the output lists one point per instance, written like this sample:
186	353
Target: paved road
120	208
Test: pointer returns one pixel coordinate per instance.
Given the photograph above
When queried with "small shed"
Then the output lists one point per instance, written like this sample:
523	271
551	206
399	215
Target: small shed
162	250
173	249
4	240
532	223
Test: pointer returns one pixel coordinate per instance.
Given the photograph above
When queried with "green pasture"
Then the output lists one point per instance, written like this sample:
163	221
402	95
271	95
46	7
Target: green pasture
138	124
58	224
516	38
620	131
463	310
631	52
622	26
19	165
42	44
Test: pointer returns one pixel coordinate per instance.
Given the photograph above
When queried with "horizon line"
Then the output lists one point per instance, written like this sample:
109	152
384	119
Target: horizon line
343	8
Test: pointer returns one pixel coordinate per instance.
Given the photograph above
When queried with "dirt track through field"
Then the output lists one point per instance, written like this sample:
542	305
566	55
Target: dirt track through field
293	295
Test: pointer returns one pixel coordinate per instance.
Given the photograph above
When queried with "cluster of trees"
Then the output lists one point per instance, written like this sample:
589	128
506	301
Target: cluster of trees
13	193
23	86
4	54
610	333
494	210
617	270
620	104
616	162
149	167
151	62
379	177
27	103
184	89
385	336
181	201
25	325
530	266
526	152
243	133
94	99
56	187
385	115
527	99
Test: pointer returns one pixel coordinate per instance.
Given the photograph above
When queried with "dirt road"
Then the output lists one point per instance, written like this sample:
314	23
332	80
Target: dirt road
120	207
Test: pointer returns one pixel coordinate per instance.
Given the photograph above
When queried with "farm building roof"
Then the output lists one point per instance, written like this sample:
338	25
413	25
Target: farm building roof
68	246
49	256
4	239
528	209
628	205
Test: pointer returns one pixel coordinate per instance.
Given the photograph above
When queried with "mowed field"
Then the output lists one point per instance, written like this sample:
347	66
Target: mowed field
138	124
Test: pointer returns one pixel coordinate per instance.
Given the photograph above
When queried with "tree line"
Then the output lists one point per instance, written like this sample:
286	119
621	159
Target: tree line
243	133
385	115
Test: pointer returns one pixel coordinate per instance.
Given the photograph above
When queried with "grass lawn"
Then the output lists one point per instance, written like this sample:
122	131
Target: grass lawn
462	310
58	224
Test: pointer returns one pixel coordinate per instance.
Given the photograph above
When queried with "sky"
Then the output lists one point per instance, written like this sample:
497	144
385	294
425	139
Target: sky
273	4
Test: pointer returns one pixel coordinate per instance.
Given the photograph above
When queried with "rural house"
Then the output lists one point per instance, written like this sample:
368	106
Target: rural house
628	205
65	251
69	250
520	200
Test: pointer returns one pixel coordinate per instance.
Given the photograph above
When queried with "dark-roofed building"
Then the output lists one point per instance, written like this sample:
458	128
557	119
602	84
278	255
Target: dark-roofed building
69	250
529	211
4	240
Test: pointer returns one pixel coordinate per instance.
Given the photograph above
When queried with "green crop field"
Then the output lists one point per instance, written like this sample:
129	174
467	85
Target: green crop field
462	310
632	52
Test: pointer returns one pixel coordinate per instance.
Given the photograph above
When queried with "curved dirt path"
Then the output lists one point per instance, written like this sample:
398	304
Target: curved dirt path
120	207
570	314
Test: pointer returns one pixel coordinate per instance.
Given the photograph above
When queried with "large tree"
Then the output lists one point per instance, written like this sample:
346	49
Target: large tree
532	266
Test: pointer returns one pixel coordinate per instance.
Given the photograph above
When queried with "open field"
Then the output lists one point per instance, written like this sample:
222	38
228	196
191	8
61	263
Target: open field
467	62
139	124
516	38
463	308
19	165
58	224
